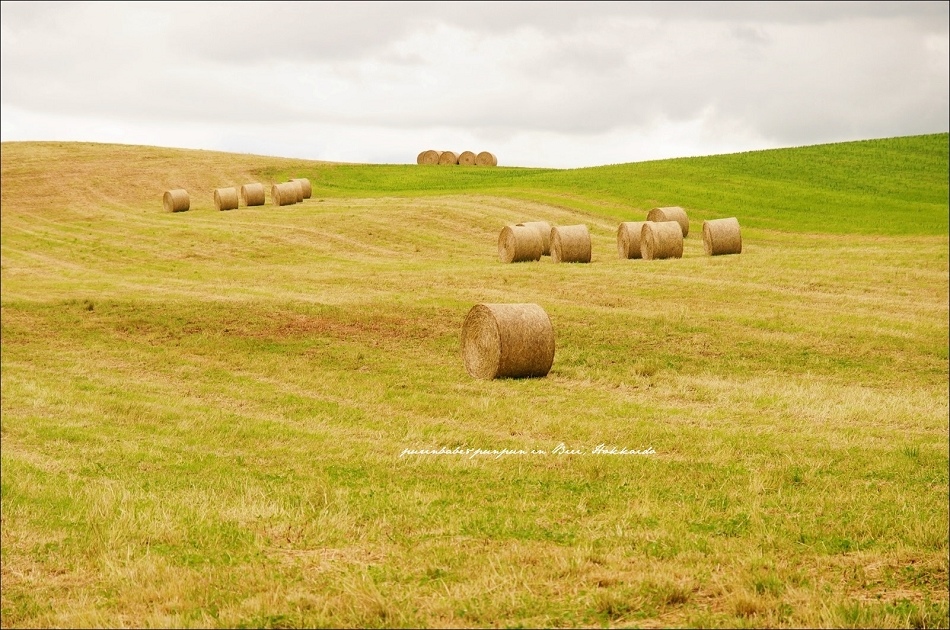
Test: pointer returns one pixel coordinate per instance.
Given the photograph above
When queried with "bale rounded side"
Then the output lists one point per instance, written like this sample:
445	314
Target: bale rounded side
252	194
570	243
448	158
543	228
176	200
628	239
225	198
519	243
661	239
507	341
305	186
485	158
284	194
670	213
722	236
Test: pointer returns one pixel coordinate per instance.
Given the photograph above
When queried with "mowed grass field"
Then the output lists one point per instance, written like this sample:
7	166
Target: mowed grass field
207	416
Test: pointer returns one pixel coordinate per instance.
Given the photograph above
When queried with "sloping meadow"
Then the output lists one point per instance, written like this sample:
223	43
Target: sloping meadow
262	418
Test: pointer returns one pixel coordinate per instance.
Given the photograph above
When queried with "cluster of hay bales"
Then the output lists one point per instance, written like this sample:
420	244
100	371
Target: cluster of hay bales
661	235
230	198
531	240
432	157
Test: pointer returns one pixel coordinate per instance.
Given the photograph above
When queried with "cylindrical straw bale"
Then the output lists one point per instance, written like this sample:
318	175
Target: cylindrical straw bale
284	194
298	188
466	158
448	158
486	159
570	243
628	239
420	157
225	198
721	236
661	239
176	200
670	213
519	243
305	186
507	341
543	228
252	194
429	157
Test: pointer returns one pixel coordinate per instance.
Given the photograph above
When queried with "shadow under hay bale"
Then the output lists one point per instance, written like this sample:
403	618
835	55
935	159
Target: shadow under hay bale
448	158
519	243
225	198
544	229
305	186
661	240
252	194
466	158
570	243
670	213
507	341
176	200
486	159
628	239
722	236
284	194
429	158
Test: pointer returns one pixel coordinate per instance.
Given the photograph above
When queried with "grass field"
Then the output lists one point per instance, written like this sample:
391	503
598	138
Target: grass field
208	417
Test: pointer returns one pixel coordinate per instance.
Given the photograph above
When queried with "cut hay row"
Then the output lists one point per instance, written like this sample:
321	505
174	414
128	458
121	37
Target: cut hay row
432	157
507	341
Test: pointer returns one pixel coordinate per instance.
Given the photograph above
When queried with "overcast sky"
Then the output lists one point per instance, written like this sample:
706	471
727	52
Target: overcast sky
556	84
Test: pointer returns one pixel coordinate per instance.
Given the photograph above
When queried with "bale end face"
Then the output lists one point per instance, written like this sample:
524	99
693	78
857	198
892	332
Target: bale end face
485	158
507	341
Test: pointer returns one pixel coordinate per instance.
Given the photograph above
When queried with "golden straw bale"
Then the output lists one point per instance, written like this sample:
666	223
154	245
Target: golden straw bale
252	194
663	239
722	236
544	228
466	158
305	186
176	200
628	239
570	243
225	198
284	194
486	159
430	157
519	243
507	341
670	213
448	158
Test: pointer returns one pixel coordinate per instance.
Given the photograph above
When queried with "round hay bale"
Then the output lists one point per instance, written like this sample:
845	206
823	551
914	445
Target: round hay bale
429	158
662	239
176	200
722	236
486	159
448	158
298	187
570	243
466	158
544	228
252	194
420	157
284	194
225	198
670	213
305	186
507	341
628	239
519	243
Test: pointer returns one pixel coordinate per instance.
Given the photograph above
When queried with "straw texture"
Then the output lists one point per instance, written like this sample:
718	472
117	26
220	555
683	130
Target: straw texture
466	158
284	194
661	240
570	243
670	213
519	243
225	198
448	158
429	158
252	194
507	341
628	239
544	228
722	236
486	159
305	186
176	200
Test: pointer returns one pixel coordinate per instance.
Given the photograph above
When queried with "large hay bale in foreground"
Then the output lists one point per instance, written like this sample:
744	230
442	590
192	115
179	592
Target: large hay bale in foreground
570	243
628	239
252	194
519	243
448	158
670	213
466	158
544	229
722	236
305	186
176	200
225	198
429	158
284	194
507	341
662	239
486	159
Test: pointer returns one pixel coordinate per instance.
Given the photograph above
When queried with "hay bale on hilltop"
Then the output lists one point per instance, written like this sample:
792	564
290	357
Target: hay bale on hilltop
570	243
305	186
429	158
252	194
448	158
486	159
544	229
176	200
225	198
507	341
284	194
722	236
467	158
628	239
519	243
670	213
663	239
